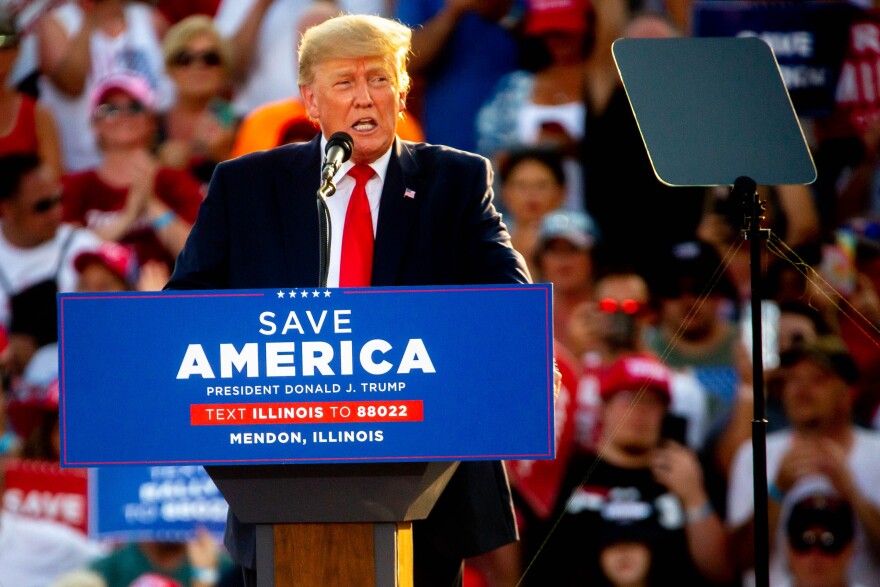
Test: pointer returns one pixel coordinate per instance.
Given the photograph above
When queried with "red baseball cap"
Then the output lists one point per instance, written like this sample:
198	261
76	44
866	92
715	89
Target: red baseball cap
544	16
636	372
130	82
36	393
119	259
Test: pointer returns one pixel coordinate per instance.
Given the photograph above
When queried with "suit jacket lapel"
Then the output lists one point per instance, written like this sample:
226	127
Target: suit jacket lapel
396	214
297	194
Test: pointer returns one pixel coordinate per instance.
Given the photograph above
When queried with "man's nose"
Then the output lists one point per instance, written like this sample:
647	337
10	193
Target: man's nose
362	96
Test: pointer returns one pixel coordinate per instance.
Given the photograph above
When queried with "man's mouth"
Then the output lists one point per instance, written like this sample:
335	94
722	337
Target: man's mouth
364	125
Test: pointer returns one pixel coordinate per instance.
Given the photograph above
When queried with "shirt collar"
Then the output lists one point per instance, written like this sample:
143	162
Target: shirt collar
380	165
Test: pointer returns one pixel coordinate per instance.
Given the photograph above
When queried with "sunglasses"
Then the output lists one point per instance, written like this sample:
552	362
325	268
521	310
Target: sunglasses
610	306
823	540
46	204
113	110
209	58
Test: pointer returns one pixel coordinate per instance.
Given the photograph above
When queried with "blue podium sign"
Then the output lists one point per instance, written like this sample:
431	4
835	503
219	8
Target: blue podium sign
306	375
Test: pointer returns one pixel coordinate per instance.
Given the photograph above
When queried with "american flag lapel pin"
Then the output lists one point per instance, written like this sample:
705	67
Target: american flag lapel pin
409	193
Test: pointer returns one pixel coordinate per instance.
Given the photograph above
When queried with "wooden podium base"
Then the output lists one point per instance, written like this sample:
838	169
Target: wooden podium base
361	554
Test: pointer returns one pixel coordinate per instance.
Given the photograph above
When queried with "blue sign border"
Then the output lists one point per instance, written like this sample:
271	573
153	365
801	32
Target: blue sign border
489	398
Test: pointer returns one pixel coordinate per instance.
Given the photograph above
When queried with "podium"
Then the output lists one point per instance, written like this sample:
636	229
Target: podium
357	517
330	420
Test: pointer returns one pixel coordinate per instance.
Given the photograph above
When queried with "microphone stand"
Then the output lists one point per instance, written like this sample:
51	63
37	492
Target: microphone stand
745	191
325	229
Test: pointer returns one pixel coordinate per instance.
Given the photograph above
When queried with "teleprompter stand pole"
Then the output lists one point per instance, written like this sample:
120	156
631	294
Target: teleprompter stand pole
745	190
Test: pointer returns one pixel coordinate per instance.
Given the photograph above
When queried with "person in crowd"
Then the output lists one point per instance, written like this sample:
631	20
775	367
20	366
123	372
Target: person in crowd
33	324
286	121
819	533
790	213
635	476
176	10
532	185
84	42
793	224
799	323
423	214
263	40
197	131
563	256
545	106
625	552
109	267
130	197
34	552
846	158
28	126
36	248
821	442
621	191
33	406
447	36
614	325
196	563
113	267
536	484
696	327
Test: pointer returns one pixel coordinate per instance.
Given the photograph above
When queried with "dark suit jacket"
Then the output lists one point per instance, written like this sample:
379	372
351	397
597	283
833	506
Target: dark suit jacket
258	228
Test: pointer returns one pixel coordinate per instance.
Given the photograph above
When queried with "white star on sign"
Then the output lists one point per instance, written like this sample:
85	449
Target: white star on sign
292	293
315	294
326	293
280	294
303	294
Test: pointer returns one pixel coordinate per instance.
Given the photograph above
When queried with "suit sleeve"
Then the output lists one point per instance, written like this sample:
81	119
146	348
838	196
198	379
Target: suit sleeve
203	263
487	252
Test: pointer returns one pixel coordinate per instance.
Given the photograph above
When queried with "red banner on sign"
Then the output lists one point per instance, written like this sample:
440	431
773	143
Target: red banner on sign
310	413
858	90
42	490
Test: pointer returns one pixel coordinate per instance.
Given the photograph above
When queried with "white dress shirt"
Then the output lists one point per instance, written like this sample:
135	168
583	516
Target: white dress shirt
337	204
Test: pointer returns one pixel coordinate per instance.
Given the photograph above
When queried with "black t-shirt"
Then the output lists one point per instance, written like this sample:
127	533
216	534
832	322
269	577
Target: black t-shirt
588	499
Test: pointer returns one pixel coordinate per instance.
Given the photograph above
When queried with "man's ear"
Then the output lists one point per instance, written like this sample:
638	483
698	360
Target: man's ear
401	97
309	101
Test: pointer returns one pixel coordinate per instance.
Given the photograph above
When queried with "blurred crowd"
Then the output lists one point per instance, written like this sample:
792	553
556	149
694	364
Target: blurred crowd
115	113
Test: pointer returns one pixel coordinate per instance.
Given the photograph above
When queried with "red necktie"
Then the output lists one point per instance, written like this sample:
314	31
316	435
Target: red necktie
356	266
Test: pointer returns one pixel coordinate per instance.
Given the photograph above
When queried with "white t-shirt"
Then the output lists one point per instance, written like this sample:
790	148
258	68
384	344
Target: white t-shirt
22	268
273	73
864	464
33	553
138	48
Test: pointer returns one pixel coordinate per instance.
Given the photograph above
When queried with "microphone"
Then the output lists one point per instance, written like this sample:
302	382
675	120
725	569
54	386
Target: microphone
337	152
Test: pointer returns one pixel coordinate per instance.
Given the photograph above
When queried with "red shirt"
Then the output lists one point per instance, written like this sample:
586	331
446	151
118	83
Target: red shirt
23	137
90	201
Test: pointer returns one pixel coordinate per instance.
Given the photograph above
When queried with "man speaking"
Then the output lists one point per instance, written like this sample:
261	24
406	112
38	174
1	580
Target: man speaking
403	214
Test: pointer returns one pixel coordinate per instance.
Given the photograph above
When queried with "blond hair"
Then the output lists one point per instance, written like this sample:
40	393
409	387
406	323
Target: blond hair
352	36
188	29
